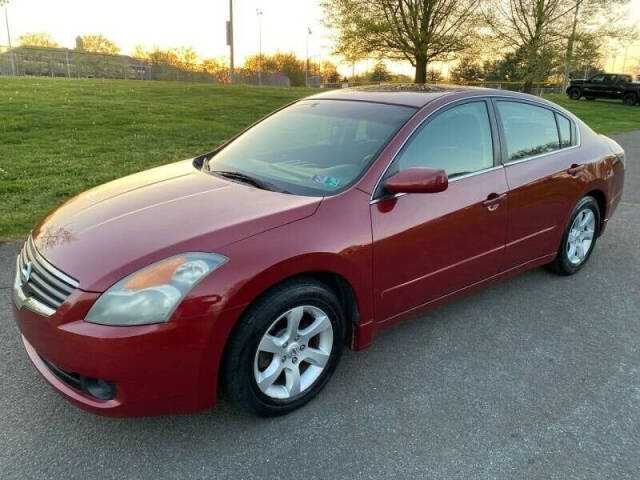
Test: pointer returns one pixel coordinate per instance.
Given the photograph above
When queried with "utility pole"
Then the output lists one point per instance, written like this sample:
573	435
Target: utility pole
259	15
306	70
572	37
230	40
6	19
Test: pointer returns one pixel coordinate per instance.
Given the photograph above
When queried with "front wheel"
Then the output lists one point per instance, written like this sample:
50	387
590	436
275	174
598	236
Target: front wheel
574	93
579	237
285	348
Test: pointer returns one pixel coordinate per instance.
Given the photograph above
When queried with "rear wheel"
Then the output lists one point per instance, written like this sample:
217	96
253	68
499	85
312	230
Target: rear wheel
579	237
574	93
630	99
285	348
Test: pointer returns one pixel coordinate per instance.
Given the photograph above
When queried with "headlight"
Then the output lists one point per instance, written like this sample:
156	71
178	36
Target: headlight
152	294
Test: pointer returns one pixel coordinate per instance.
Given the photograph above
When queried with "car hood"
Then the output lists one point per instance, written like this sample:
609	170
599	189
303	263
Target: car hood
117	228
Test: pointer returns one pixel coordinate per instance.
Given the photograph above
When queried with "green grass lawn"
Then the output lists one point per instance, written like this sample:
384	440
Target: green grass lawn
59	137
604	116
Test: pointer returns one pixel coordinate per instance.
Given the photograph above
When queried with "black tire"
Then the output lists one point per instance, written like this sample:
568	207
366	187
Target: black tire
240	354
591	99
574	93
630	99
561	264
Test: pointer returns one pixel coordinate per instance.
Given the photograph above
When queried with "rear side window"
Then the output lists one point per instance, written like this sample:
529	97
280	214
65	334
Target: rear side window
457	140
564	128
529	130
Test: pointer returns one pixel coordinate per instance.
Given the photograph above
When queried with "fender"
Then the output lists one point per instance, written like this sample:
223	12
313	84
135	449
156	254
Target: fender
253	288
262	261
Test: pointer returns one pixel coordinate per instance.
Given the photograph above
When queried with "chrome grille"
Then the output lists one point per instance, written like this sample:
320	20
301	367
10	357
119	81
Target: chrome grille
42	284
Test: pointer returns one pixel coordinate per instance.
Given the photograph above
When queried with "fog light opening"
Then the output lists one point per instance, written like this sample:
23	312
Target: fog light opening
99	388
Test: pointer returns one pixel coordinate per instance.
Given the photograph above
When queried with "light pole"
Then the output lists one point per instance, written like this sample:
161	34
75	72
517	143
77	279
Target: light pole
259	15
306	70
4	3
230	40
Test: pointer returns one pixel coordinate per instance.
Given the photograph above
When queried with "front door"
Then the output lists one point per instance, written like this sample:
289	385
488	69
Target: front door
427	245
594	87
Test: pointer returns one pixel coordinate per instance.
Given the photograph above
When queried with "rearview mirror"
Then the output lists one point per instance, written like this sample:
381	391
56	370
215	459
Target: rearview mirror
417	180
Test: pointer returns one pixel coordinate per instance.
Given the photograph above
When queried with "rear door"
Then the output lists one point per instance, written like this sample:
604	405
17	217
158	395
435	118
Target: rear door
426	245
621	85
610	86
538	154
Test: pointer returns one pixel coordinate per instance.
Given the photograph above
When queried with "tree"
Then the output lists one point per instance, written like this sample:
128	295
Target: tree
380	73
185	58
285	63
467	70
213	65
434	75
491	70
38	39
96	44
586	56
419	31
291	66
532	29
512	66
329	72
217	67
139	51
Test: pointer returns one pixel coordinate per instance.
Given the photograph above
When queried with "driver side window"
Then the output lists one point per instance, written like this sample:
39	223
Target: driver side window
458	140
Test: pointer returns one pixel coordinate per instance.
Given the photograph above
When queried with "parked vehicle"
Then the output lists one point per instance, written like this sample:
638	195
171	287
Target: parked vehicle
318	227
606	85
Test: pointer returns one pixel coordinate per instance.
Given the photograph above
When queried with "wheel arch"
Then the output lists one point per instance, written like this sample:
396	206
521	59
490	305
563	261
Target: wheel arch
336	281
601	198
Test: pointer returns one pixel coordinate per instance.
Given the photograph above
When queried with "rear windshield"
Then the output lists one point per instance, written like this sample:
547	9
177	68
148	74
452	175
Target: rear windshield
313	147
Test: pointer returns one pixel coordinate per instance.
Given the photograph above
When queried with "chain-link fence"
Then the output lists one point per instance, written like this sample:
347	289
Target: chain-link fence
536	88
62	62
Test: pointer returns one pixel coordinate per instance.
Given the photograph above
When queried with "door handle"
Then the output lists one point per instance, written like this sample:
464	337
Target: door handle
575	169
493	201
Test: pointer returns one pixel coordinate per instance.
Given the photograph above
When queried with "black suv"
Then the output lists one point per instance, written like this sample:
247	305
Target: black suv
606	85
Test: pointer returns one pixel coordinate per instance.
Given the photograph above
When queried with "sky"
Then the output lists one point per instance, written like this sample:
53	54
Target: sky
196	23
201	24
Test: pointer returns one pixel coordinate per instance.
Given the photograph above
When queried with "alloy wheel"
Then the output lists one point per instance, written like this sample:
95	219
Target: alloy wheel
293	352
580	239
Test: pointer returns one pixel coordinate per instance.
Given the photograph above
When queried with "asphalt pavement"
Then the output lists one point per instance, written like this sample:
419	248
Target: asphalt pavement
537	376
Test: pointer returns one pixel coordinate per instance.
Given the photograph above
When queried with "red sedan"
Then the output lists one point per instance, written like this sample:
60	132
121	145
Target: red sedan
318	227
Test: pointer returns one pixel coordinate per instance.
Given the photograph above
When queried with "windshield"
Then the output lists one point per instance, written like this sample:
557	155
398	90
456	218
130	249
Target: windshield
313	147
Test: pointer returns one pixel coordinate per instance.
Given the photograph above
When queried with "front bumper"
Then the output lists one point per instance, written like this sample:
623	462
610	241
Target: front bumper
155	369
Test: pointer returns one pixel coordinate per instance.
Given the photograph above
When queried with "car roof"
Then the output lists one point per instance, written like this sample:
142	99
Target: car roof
411	95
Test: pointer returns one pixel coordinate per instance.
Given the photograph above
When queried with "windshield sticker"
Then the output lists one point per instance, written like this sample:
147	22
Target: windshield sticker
328	181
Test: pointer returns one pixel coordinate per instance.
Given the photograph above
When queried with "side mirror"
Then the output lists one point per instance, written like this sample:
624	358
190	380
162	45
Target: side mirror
417	180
